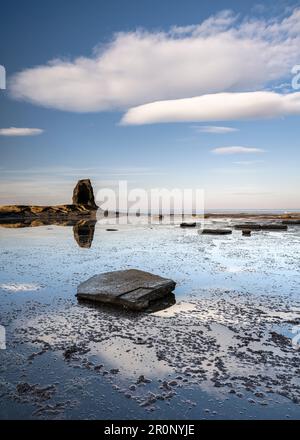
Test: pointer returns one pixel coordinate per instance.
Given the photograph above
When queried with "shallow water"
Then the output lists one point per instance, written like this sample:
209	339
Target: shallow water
224	350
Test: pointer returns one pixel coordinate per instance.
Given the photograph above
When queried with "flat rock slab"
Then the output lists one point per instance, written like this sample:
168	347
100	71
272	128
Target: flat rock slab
263	227
188	225
133	289
217	231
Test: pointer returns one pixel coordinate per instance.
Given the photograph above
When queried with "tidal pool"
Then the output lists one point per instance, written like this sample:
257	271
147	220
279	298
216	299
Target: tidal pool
228	348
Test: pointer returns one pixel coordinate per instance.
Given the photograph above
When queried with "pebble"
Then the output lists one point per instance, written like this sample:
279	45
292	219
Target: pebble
132	387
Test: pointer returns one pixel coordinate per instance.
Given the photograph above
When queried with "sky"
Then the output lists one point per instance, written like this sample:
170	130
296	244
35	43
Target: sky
162	94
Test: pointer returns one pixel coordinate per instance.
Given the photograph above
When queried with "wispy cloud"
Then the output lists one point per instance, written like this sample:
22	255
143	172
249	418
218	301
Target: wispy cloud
15	131
216	107
214	129
237	150
250	53
54	184
248	162
248	194
75	172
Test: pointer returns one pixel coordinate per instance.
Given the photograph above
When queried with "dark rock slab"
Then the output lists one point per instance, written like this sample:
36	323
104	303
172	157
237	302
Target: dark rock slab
247	232
274	227
291	222
133	289
262	227
188	225
13	212
217	231
249	226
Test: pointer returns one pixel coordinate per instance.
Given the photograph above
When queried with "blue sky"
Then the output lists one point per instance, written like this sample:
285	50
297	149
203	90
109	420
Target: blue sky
142	62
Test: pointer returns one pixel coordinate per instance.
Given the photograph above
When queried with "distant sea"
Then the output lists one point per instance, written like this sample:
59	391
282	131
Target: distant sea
252	211
216	211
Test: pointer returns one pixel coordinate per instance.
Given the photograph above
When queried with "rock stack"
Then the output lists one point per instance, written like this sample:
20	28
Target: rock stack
83	194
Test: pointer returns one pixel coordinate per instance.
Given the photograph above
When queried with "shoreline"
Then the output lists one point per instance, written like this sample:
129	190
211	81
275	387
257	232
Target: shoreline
27	212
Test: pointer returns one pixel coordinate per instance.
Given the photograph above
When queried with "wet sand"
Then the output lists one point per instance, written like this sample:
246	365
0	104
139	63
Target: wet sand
224	350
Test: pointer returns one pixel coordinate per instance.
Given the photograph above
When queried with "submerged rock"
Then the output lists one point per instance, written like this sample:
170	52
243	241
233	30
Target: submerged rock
133	289
247	232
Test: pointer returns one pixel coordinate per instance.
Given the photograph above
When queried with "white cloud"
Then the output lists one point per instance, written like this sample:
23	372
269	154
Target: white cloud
14	131
222	54
237	150
214	129
215	107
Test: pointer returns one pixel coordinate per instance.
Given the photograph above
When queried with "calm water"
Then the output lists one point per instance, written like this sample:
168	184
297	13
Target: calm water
211	355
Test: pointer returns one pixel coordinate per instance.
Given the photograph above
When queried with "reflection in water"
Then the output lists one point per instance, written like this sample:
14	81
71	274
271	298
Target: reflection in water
83	229
162	303
154	306
84	233
175	309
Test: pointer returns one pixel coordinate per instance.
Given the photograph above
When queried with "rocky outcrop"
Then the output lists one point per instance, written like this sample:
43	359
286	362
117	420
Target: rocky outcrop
83	205
43	212
83	194
247	232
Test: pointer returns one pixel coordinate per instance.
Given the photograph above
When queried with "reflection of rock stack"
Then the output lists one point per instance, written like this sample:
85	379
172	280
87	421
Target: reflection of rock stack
84	233
83	229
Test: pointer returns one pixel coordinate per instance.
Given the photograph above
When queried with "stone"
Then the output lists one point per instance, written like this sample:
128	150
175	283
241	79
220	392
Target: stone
133	289
217	231
83	194
247	232
188	225
262	227
249	226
